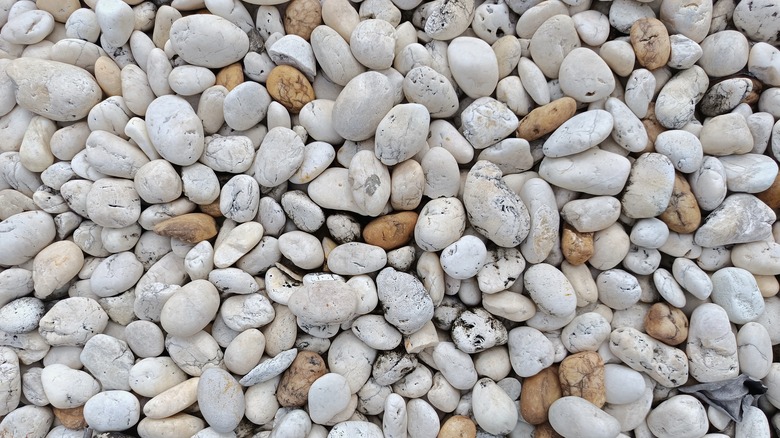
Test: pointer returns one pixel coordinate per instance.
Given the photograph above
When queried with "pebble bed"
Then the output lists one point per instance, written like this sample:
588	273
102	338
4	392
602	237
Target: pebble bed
450	218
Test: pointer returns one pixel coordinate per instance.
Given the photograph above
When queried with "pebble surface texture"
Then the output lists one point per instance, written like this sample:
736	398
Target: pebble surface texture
388	218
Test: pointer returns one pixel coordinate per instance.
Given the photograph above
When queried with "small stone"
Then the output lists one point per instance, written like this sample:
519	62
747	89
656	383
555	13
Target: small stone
683	214
741	218
571	415
667	324
679	416
324	302
230	76
190	228
477	330
293	389
289	87
581	172
651	43
458	426
585	76
539	392
546	119
494	411
112	411
67	388
469	58
220	399
328	396
711	347
644	354
736	291
577	247
529	351
405	302
582	375
72	418
623	385
301	17
579	133
208	40
390	231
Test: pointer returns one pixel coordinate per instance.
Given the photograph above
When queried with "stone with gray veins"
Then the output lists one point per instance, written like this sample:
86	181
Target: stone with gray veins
711	346
441	222
405	302
232	154
194	354
32	421
242	312
10	380
175	130
116	274
73	321
239	198
680	415
649	187
740	218
21	315
677	100
666	365
279	156
112	411
401	133
24	235
221	400
369	178
109	360
578	134
736	291
487	121
361	106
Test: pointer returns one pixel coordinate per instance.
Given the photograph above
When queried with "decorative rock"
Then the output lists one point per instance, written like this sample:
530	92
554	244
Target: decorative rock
579	172
712	132
579	134
191	228
472	62
71	92
66	387
571	415
401	133
546	119
666	323
464	258
539	392
324	302
493	209
441	222
677	100
586	332
712	347
754	350
361	106
390	231
175	130
651	43
585	76
719	227
328	396
551	42
220	399
72	321
289	87
405	302
679	416
529	351
494	411
582	375
112	411
195	39
476	330
644	354
736	290
622	384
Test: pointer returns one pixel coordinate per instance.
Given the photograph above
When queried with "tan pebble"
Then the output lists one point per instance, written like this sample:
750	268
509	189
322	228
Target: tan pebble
653	128
59	9
582	375
231	76
108	76
754	94
289	87
683	214
545	430
391	231
546	119
301	17
190	227
650	40
667	324
72	418
294	386
211	209
539	392
577	247
771	196
458	426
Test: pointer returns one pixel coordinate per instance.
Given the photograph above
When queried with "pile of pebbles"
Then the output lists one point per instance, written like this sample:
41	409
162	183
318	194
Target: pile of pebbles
450	218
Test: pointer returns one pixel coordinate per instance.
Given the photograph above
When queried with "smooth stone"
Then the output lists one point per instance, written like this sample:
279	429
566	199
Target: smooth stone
712	131
197	39
28	27
649	187
73	321
477	330
441	222
529	351
623	385
592	214
740	218
709	184
112	411
220	399
579	172
356	258
199	299
464	258
754	350
328	396
551	42
682	148
239	199
112	374
426	86
473	65
279	157
361	106
334	55
494	411
192	355
32	421
677	99
711	347
585	76
578	134
68	388
178	138
639	91
679	416
401	133
327	301
736	290
570	415
63	101
749	173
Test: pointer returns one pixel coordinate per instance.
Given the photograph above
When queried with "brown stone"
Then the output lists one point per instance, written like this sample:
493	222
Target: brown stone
683	214
458	426
539	392
294	386
755	93
190	227
231	76
72	418
391	231
653	128
771	196
577	247
301	17
545	430
582	375
667	324
108	76
650	40
546	119
289	87
211	209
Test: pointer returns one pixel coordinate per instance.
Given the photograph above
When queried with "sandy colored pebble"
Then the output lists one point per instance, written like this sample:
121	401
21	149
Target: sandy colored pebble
539	392
666	323
211	209
293	390
72	418
231	76
301	17
458	426
651	43
771	196
576	247
108	76
546	119
683	214
289	87
582	375
390	231
190	228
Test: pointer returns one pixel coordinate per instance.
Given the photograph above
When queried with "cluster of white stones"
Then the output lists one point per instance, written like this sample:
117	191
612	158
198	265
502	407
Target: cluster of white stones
449	218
